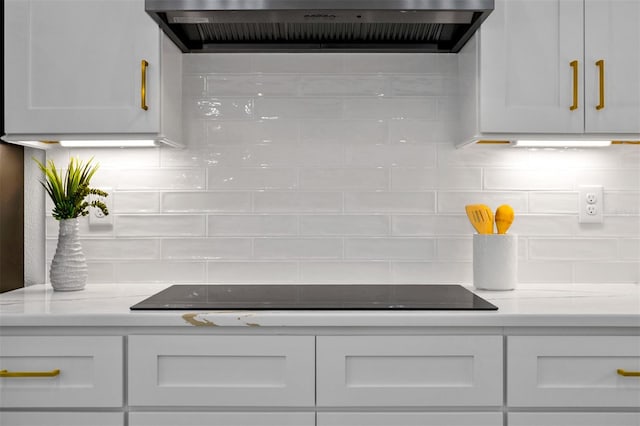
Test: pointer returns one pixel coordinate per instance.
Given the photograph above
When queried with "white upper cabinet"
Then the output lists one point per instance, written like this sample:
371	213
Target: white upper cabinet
613	37
535	69
526	50
89	67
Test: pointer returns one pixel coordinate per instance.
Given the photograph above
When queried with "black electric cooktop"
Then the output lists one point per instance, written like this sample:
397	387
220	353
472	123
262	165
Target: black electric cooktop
315	297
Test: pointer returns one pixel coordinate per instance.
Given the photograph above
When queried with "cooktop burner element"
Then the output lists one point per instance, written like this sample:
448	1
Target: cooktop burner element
315	297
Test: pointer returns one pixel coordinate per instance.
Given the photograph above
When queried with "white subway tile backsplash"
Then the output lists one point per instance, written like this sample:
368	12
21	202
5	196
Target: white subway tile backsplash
455	201
321	131
390	108
298	248
159	225
366	272
311	202
144	179
390	248
372	225
206	248
229	178
341	168
606	272
344	85
390	156
135	202
121	248
573	249
252	225
189	202
396	202
432	272
161	271
344	179
271	108
553	202
425	225
252	272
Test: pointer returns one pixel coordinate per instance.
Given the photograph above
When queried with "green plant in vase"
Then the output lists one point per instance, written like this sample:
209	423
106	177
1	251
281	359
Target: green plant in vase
72	197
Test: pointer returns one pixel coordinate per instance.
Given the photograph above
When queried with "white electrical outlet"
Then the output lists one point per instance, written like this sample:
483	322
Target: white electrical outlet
590	204
96	217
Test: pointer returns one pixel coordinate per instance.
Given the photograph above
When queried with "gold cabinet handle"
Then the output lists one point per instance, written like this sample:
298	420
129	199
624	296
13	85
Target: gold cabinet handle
52	373
628	373
143	86
574	65
600	65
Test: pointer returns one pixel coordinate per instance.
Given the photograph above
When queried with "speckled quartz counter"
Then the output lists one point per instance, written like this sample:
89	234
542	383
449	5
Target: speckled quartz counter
578	305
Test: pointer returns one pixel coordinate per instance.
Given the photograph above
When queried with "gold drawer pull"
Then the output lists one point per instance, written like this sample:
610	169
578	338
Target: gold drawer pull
600	65
628	373
143	86
52	373
574	66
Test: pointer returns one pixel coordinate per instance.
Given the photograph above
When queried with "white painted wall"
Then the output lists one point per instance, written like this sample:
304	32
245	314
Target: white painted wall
340	168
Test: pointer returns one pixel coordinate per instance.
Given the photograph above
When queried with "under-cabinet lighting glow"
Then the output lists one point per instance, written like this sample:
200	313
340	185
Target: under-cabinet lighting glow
108	143
559	144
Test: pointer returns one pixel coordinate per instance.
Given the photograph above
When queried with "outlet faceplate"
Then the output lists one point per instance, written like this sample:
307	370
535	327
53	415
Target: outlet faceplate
96	217
590	204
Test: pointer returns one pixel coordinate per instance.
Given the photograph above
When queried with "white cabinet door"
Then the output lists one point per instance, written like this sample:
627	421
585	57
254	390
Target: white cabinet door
222	419
74	66
66	371
410	419
613	37
415	371
527	81
572	371
21	418
573	419
221	370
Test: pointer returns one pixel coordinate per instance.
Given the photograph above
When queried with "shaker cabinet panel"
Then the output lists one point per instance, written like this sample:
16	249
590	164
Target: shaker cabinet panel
221	370
409	370
61	371
574	419
71	69
527	82
612	87
573	371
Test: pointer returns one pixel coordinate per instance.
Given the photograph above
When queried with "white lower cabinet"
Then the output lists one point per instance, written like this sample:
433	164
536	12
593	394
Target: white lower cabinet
61	371
222	419
574	419
18	418
573	371
419	371
222	371
409	419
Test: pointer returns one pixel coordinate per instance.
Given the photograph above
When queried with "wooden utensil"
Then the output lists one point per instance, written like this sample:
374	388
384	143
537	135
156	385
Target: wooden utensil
504	218
481	217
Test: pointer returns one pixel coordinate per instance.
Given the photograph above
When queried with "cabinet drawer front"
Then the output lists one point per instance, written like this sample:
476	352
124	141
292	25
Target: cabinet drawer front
221	370
61	419
91	373
226	419
409	419
572	371
409	370
574	419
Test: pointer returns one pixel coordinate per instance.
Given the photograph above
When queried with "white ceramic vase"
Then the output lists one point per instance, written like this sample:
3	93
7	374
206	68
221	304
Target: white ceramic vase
69	266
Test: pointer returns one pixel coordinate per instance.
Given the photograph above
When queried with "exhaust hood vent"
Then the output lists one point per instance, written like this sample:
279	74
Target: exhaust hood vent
207	26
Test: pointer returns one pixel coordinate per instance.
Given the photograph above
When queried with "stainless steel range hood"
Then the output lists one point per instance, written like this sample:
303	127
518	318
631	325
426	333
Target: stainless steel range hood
435	26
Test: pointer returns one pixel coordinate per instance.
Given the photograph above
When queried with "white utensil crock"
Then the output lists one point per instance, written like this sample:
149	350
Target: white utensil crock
495	261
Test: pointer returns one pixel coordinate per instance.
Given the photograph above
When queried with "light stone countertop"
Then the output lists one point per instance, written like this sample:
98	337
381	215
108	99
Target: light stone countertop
107	305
